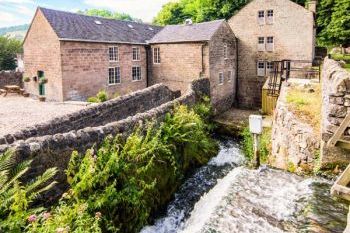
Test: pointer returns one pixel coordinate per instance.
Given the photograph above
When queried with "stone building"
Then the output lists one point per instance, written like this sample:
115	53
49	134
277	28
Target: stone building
182	53
79	55
270	30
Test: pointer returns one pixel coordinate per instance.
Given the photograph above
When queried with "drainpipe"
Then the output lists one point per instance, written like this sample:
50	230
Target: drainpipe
148	68
236	92
201	73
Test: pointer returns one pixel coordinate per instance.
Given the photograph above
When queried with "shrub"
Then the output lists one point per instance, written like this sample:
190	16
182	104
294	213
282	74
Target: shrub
99	98
15	198
26	79
127	180
265	144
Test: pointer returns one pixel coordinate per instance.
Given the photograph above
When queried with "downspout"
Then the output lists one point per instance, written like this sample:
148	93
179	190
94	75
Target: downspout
201	73
147	47
236	92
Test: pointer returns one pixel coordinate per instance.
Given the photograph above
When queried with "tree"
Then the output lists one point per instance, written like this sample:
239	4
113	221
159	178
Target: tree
200	10
109	14
8	50
334	22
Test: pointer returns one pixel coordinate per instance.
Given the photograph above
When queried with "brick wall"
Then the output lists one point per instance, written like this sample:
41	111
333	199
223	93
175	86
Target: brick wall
109	111
11	78
85	69
293	32
42	52
55	150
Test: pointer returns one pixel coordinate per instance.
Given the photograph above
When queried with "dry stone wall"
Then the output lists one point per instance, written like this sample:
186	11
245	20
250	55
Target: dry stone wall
109	111
336	105
55	150
10	78
294	143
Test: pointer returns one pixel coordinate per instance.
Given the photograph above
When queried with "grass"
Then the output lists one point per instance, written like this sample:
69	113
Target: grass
343	57
306	105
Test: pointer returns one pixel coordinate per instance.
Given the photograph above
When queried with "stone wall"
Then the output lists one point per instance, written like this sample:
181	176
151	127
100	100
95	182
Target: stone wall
294	142
336	105
55	150
101	114
11	78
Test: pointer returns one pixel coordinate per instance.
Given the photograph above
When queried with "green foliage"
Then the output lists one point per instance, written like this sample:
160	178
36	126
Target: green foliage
15	198
265	144
99	98
5	30
333	21
126	180
291	167
109	14
8	50
200	10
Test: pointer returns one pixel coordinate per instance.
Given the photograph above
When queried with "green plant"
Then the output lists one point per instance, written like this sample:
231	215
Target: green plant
26	79
15	198
265	144
291	167
100	97
317	162
43	80
127	180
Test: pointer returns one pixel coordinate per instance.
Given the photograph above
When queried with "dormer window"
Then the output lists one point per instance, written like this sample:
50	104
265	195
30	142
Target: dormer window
269	19
261	17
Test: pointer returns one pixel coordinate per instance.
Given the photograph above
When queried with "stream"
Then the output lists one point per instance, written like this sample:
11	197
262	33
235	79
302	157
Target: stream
226	197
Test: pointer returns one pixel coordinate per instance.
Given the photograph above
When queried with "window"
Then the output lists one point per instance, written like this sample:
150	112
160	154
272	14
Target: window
269	68
113	53
156	55
261	68
261	17
113	75
270	13
136	73
269	43
225	51
136	54
221	78
229	76
261	44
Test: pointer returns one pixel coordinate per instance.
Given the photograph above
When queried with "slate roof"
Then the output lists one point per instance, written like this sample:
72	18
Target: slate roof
71	26
187	33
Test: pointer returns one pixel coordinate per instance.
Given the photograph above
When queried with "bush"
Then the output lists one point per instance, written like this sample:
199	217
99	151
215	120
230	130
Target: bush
99	98
127	180
265	144
15	198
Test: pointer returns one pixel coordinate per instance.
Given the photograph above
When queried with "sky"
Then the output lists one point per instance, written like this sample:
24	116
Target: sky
16	12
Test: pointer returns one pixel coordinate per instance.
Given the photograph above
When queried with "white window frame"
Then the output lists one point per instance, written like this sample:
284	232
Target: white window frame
137	52
156	55
225	51
260	70
269	16
269	67
261	46
116	79
270	46
138	76
261	19
114	55
229	76
221	78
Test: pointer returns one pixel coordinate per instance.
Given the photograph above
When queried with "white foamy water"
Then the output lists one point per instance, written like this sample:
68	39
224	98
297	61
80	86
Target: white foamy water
223	198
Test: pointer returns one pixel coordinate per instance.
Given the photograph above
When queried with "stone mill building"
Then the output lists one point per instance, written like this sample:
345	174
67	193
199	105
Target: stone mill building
79	55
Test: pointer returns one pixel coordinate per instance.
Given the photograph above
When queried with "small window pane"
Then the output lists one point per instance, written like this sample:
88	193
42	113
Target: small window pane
270	39
261	14
221	78
270	13
261	40
156	55
113	53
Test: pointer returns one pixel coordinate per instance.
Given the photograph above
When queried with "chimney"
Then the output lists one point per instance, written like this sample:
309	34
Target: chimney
188	22
311	6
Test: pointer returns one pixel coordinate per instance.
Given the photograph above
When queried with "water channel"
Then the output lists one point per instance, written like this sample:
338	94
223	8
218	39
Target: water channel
226	197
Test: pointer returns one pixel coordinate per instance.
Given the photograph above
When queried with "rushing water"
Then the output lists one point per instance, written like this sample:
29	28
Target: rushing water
226	197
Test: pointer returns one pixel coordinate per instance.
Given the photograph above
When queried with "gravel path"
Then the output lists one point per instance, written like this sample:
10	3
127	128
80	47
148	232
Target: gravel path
18	112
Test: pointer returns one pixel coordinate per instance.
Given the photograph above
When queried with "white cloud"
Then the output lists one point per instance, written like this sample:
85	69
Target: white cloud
17	1
9	19
143	9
